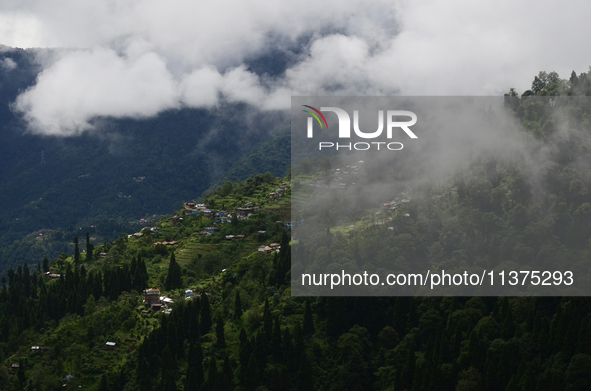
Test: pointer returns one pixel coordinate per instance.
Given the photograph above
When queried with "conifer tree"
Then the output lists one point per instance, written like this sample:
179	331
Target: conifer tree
205	319
288	350
283	261
298	340
276	344
103	386
195	365
89	248
237	305
305	375
219	332
20	374
168	382
27	280
212	375
267	320
508	327
227	382
143	374
190	380
308	320
76	251
244	352
251	376
174	276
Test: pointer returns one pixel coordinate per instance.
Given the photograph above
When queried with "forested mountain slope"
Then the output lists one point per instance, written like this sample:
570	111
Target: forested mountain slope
235	325
241	329
126	169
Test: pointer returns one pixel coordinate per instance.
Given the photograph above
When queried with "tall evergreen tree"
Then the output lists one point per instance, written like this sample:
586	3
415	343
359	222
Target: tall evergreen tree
308	328
195	365
227	381
305	375
174	276
276	344
103	386
267	320
89	247
76	251
251	378
237	305
205	319
219	332
212	374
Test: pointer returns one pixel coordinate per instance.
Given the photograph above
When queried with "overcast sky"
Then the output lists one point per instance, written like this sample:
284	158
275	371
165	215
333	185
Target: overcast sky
134	58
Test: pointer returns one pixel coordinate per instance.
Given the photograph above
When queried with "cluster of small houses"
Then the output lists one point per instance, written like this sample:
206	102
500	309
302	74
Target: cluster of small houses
279	192
339	177
139	234
156	302
394	205
222	216
270	248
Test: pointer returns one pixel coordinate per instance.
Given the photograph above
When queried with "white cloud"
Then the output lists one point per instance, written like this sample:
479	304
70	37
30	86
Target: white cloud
98	82
201	87
19	29
242	86
8	64
137	58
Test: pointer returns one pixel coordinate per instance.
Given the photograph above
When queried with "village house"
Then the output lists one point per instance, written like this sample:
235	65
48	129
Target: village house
244	213
156	307
39	348
265	249
152	296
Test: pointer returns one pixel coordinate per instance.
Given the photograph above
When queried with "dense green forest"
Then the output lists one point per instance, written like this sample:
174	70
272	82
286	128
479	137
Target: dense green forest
242	329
